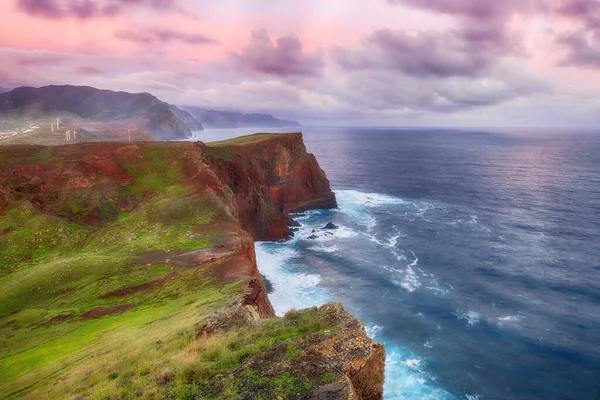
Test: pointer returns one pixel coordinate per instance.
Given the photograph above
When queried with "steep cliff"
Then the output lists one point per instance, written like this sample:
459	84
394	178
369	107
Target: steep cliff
130	271
271	175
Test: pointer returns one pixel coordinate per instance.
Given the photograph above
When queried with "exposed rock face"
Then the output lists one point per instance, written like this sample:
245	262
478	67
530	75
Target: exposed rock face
343	361
271	178
360	358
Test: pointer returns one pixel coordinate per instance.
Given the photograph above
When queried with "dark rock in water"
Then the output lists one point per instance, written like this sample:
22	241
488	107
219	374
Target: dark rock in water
294	229
292	233
294	223
268	284
313	231
312	237
328	234
331	225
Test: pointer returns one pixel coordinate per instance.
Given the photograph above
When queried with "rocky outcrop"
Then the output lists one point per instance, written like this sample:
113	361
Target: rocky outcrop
271	178
341	362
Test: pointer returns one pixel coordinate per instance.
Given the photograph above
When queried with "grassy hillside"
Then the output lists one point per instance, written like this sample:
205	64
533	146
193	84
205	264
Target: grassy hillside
81	301
106	307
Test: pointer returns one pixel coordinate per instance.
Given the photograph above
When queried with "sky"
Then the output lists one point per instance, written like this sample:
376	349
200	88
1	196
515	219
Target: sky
323	62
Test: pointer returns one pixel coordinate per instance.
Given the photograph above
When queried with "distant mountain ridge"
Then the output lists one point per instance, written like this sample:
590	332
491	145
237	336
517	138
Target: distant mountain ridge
95	108
2	90
230	119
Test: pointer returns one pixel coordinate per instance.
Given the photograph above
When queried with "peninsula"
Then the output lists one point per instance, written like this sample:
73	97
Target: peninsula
128	271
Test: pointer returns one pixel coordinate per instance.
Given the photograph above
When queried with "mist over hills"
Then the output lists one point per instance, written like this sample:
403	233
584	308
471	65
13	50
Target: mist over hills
230	119
105	112
94	109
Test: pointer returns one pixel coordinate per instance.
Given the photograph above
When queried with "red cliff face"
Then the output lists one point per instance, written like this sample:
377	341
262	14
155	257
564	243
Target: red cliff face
270	178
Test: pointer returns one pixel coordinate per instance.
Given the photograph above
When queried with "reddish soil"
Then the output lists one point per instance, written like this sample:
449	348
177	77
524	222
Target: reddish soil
102	311
59	319
129	290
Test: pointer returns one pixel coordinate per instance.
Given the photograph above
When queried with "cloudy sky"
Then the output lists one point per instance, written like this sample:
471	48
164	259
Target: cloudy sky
383	62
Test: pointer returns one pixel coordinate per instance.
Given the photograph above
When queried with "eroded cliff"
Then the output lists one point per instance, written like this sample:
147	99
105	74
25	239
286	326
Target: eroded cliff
111	251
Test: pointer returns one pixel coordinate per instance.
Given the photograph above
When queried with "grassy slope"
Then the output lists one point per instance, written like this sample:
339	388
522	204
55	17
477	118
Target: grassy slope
223	149
81	315
245	140
59	321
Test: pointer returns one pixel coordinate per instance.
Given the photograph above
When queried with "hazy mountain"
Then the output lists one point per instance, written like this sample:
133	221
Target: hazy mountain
95	109
2	90
229	119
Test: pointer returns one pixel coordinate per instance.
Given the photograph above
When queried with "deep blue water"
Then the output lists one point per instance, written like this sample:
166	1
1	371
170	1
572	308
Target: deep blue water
474	256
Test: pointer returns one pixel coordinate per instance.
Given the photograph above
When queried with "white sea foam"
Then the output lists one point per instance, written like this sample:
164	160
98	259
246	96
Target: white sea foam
413	363
373	331
354	197
508	320
471	317
411	281
355	206
322	235
324	249
290	289
406	378
437	290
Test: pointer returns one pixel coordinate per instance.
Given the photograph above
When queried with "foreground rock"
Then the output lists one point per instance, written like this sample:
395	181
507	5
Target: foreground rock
339	361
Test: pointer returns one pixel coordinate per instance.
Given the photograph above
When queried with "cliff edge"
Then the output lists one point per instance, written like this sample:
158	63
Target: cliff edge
129	272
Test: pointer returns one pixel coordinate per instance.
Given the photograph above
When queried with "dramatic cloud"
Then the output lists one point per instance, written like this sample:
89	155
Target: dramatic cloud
480	11
158	35
421	55
82	9
389	91
89	70
583	42
587	11
284	58
583	48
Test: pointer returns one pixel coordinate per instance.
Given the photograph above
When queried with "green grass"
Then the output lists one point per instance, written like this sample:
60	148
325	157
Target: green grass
244	140
61	325
156	169
224	149
97	310
213	368
26	234
224	152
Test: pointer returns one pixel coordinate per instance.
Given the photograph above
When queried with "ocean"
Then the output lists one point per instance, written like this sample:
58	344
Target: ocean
472	255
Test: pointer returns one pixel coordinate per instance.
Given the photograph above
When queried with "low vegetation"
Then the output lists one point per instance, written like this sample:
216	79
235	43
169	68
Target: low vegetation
97	311
244	140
